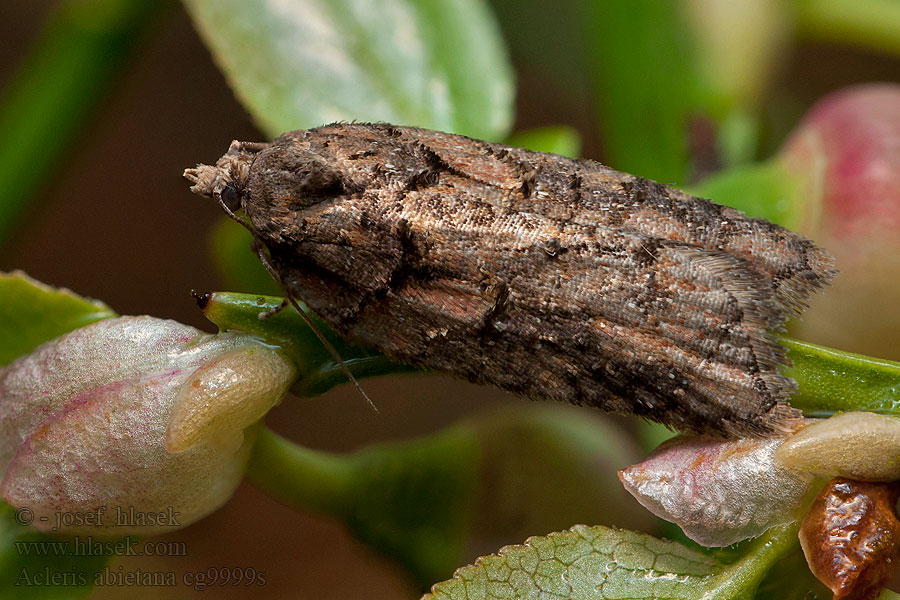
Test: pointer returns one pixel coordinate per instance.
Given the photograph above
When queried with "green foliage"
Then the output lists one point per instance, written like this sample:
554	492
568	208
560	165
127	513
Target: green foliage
410	500
428	502
427	63
558	140
833	381
646	82
418	497
870	24
765	190
595	563
32	313
791	579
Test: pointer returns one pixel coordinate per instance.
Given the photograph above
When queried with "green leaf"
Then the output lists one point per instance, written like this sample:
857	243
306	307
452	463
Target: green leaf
318	370
409	500
832	380
34	565
558	140
32	313
765	190
646	82
417	498
300	64
665	72
593	563
791	579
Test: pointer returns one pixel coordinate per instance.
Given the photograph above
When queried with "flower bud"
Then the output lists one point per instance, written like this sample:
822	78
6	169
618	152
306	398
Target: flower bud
859	445
723	491
847	153
133	415
718	491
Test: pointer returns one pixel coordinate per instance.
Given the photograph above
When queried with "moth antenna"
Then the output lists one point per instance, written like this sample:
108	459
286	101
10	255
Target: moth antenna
333	351
260	252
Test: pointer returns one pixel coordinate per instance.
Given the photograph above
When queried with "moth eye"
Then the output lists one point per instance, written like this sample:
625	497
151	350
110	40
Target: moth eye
230	197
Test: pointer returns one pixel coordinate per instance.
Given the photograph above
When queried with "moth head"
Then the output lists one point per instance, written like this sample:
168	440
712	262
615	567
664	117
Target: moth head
227	179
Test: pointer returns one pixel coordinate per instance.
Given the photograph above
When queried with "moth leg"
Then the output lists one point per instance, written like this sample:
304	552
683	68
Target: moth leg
498	296
260	250
273	311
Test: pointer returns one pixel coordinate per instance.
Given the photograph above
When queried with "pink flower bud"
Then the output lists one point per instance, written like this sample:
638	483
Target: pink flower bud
718	491
86	420
847	152
723	491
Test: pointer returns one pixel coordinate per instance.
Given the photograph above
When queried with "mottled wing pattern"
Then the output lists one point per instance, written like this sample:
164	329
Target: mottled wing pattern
550	277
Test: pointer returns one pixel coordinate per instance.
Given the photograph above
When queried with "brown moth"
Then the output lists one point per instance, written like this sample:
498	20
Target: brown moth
550	277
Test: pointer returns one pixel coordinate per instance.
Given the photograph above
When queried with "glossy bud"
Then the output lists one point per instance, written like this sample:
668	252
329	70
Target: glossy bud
86	418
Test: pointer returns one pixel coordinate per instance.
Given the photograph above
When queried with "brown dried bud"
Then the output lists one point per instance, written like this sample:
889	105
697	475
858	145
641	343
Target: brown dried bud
851	537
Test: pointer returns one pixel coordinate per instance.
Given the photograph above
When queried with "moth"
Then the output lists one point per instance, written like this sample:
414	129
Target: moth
550	277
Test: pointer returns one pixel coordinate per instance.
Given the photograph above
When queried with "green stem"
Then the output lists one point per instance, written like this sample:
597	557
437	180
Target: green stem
760	556
319	372
832	380
82	48
300	477
873	24
828	380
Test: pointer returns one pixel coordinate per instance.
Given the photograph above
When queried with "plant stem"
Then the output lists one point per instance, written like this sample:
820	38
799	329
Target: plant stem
759	557
832	380
69	69
300	477
873	24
